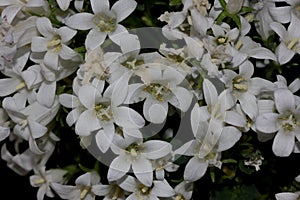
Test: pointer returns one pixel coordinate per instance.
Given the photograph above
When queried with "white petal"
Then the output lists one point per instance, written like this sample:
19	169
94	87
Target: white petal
162	189
235	119
68	100
280	14
44	26
154	149
284	54
129	43
10	12
210	93
158	113
87	95
94	39
246	70
195	118
283	143
142	168
67	53
37	130
262	53
117	35
195	169
123	8
51	60
100	7
104	140
46	94
184	98
118	168
230	135
39	44
284	100
249	105
81	21
73	116
267	123
101	190
129	184
63	4
286	196
64	191
120	90
82	127
128	118
8	86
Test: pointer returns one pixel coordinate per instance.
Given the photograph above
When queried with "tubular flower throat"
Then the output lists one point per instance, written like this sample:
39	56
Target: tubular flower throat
103	112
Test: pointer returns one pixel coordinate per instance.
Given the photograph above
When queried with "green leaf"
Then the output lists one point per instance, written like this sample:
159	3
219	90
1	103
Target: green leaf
175	2
229	160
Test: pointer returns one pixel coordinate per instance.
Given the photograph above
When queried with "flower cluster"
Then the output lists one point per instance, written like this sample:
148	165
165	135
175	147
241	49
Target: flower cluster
76	65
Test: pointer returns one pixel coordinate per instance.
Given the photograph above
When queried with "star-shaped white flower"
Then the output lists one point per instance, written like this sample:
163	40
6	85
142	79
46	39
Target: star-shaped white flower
286	123
103	22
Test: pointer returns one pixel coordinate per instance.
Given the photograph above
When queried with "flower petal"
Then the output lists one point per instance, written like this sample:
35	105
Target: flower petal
284	100
118	168
283	143
81	21
104	140
123	8
39	44
82	127
46	94
210	93
195	169
184	98
8	86
230	135
162	189
44	26
87	95
127	117
142	169
267	123
154	149
249	105
94	39
100	7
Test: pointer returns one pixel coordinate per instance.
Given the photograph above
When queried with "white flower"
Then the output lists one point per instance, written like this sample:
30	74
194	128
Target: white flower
286	123
43	178
282	83
103	22
206	149
244	88
160	87
132	152
289	38
102	111
140	191
83	190
53	43
30	122
162	164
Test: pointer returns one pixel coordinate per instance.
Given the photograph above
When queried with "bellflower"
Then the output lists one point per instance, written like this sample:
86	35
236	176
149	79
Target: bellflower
132	152
103	22
285	123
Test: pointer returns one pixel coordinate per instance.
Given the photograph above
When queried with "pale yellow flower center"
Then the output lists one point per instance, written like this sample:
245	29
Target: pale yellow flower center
104	23
39	181
289	123
84	192
20	86
103	112
292	44
157	90
239	83
55	44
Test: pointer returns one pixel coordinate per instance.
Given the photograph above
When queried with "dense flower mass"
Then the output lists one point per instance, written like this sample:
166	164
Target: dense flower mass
148	113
